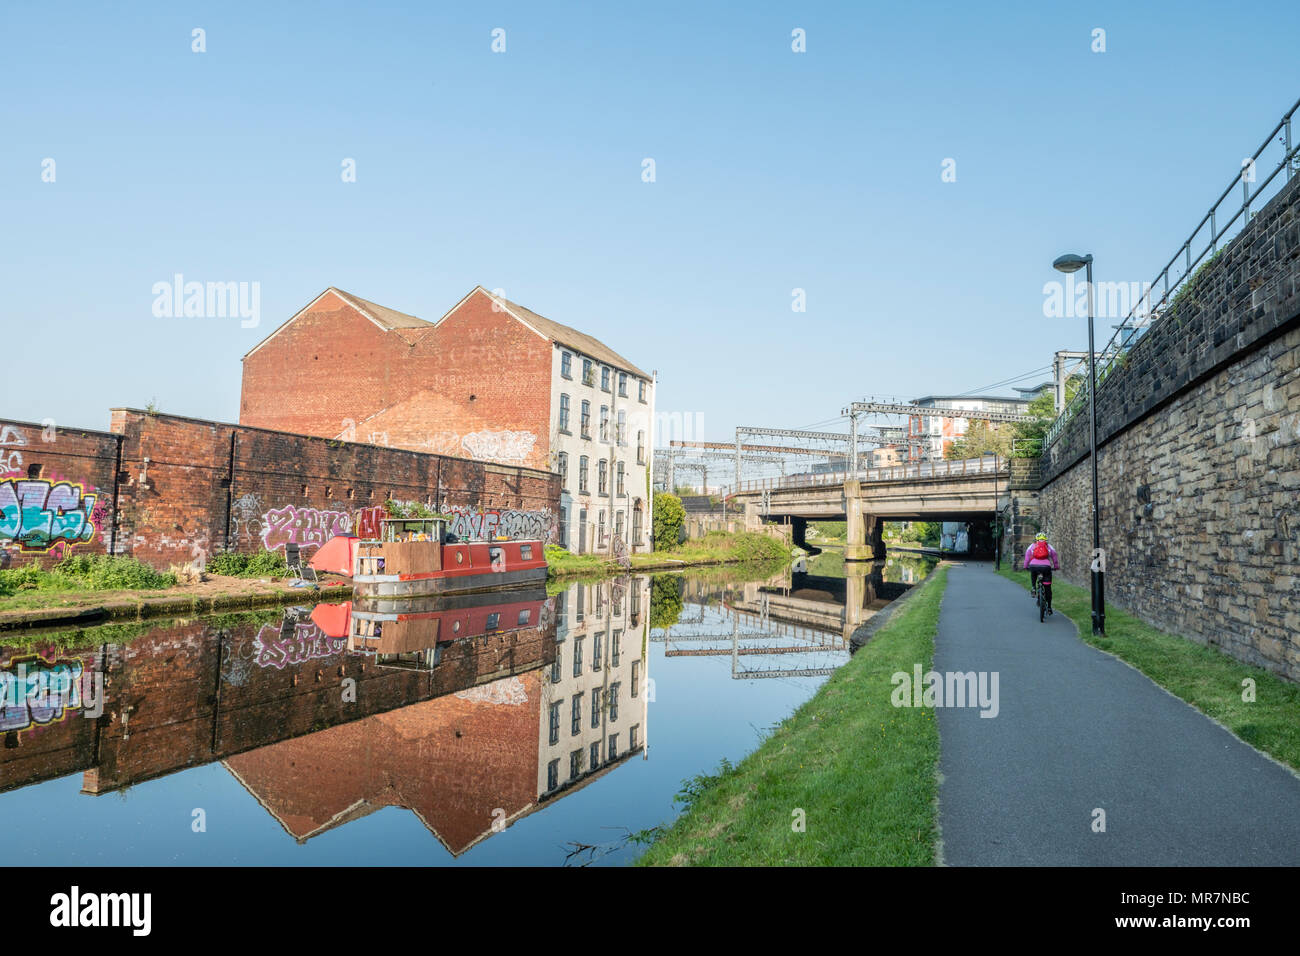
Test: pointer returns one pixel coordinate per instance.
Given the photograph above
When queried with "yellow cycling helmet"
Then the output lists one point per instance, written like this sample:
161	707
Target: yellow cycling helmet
1040	537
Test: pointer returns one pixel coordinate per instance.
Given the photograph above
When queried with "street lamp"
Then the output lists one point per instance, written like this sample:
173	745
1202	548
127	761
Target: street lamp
1073	263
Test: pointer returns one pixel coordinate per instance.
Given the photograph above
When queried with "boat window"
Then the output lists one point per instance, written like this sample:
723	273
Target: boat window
524	616
526	552
494	620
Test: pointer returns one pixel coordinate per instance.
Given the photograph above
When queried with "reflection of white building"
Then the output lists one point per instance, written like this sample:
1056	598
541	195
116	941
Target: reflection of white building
594	698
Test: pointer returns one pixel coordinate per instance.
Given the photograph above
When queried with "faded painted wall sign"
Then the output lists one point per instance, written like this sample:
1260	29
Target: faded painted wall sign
470	523
504	446
37	514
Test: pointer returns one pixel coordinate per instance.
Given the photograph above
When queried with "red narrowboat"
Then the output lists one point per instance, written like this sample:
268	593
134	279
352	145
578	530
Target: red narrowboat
410	633
413	557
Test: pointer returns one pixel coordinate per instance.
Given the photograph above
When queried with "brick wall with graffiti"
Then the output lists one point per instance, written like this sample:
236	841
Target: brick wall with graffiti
56	492
188	488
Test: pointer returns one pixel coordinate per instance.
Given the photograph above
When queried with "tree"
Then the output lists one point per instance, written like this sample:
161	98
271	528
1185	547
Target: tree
1043	410
669	519
666	599
982	438
925	533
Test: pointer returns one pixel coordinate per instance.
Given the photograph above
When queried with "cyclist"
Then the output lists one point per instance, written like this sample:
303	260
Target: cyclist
1040	560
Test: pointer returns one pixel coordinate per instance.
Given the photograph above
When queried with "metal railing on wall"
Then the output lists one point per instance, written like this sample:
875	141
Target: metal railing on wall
956	468
1196	251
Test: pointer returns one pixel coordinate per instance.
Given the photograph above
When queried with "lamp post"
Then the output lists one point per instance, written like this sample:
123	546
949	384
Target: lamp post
1073	263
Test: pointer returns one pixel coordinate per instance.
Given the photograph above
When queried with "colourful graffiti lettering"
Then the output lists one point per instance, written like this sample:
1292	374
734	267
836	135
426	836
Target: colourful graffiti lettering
37	692
305	527
469	523
308	642
37	514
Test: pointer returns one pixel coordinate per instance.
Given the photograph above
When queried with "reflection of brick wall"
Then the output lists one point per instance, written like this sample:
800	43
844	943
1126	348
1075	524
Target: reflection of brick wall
457	762
477	385
43	751
181	696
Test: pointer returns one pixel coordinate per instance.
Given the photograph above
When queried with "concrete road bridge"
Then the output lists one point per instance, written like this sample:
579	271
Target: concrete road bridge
957	490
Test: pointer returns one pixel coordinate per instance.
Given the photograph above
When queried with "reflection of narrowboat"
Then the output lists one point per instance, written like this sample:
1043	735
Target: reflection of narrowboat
410	633
416	556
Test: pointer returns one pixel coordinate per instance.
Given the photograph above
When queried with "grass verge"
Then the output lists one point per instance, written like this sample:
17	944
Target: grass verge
95	572
1204	677
862	771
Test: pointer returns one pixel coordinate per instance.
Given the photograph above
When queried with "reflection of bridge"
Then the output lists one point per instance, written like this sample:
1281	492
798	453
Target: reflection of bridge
835	604
738	643
929	491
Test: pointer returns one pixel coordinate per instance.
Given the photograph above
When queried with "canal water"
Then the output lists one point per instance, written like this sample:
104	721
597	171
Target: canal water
520	728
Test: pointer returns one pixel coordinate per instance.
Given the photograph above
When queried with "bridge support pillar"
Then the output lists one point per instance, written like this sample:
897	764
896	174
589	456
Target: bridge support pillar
865	531
799	527
861	585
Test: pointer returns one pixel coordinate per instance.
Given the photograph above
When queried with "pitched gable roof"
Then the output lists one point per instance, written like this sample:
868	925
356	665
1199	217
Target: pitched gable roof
393	321
568	336
382	315
390	320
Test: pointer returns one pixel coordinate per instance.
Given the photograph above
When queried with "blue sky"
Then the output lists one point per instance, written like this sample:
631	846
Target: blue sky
522	171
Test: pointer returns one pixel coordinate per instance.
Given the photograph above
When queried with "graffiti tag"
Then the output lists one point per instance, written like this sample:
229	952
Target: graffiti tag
38	514
245	516
38	692
367	522
308	642
11	460
469	523
305	527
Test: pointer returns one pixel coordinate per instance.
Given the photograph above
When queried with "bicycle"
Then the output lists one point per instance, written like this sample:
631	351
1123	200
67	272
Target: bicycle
1043	599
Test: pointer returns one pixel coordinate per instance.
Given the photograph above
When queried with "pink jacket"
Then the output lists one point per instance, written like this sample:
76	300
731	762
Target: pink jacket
1053	559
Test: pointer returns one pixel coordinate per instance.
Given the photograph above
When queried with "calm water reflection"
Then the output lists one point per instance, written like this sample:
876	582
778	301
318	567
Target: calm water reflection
513	728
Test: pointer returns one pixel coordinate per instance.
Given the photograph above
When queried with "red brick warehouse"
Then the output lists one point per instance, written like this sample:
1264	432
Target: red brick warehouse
491	381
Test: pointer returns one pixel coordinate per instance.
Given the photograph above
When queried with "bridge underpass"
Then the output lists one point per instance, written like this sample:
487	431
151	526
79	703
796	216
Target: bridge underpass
959	490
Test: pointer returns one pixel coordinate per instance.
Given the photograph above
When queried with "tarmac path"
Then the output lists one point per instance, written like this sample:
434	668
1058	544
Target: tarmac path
1078	730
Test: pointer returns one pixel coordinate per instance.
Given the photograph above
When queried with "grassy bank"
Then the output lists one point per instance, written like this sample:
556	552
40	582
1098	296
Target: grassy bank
92	587
75	577
123	632
862	771
716	547
1205	677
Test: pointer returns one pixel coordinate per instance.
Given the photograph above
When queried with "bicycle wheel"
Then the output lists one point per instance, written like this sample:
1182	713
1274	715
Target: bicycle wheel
1042	604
